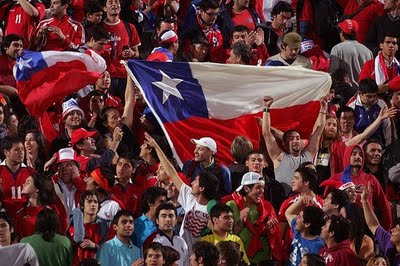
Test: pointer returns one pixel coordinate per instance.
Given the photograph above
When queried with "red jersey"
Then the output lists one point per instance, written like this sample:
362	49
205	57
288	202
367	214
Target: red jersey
214	38
19	22
119	38
11	182
6	71
127	195
72	30
92	233
244	18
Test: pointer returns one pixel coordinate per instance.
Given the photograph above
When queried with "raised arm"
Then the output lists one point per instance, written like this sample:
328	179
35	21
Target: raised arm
130	102
168	167
29	8
295	208
383	114
272	147
369	215
313	144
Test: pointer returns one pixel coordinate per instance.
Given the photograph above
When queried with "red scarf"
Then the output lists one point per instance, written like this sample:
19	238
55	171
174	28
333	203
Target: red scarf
259	228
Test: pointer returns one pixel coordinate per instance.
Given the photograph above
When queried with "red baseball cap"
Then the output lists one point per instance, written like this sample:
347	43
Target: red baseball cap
79	134
349	26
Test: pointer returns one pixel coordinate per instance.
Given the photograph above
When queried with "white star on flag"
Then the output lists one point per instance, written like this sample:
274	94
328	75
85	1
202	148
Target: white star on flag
24	63
168	86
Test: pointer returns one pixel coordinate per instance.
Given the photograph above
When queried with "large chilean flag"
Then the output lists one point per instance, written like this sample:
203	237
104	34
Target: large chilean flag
194	100
46	77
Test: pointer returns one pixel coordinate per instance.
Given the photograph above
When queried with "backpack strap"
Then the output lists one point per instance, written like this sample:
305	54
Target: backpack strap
129	31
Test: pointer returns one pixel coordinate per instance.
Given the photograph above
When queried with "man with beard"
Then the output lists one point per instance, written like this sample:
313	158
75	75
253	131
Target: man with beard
286	161
330	154
373	156
289	47
353	163
221	217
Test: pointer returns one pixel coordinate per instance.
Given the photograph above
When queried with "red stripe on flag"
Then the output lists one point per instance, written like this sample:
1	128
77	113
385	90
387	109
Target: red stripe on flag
299	117
52	84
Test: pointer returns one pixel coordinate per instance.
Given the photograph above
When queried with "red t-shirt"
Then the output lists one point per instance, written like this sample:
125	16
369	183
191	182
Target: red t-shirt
119	39
19	22
244	18
127	195
92	233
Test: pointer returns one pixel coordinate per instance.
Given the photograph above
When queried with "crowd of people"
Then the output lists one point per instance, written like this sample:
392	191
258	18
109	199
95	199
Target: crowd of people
94	182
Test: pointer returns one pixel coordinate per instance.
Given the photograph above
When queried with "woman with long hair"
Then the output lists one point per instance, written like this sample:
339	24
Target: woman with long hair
39	193
35	150
361	244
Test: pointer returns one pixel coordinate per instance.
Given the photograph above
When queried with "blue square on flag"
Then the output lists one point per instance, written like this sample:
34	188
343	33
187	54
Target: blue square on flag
171	90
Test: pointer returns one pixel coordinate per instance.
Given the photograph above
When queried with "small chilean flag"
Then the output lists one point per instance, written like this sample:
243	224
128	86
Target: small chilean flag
194	100
46	77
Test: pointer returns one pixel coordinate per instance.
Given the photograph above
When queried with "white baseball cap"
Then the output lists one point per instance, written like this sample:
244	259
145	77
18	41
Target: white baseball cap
250	178
206	142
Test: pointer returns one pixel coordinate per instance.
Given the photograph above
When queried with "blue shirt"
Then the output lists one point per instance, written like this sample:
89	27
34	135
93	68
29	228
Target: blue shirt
114	252
301	246
143	228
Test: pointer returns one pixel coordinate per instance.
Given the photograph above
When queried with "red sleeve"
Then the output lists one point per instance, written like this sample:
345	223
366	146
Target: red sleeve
394	84
135	39
282	210
367	70
41	9
78	38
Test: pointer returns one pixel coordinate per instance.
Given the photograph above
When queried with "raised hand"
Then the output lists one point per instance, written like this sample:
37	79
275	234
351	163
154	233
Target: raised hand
267	101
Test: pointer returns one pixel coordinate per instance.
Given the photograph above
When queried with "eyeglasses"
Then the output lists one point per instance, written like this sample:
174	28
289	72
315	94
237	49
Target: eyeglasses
213	15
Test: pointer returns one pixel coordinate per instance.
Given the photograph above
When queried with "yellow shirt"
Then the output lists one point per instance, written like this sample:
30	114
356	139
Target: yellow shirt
213	238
